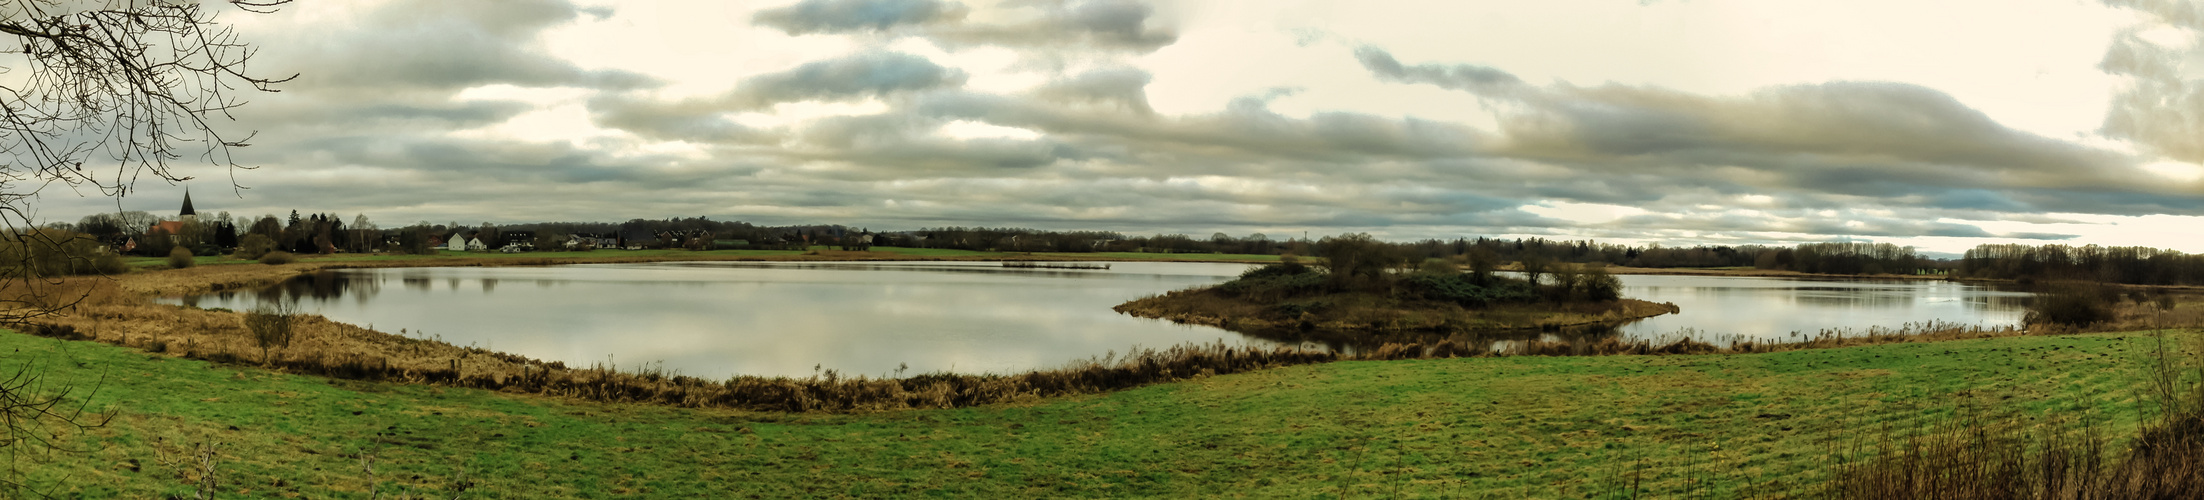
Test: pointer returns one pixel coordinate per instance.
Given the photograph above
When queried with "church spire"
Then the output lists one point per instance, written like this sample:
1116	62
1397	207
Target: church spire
187	204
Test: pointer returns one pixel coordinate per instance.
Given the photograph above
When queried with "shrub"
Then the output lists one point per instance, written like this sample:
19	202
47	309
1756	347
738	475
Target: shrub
2075	304
254	246
1535	266
277	258
1568	283
180	258
1481	263
1466	291
1357	261
1285	267
1598	286
271	325
1270	283
49	252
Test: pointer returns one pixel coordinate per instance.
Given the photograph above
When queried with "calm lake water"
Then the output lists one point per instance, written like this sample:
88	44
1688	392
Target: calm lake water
715	319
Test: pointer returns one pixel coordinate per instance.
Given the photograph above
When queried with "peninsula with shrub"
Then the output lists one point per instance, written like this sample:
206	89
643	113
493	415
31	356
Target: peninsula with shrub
1362	285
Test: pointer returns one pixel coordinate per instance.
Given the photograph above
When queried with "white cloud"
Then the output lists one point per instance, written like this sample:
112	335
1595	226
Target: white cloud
969	130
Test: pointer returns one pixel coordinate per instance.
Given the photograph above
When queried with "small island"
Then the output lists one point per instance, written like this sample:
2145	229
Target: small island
1361	286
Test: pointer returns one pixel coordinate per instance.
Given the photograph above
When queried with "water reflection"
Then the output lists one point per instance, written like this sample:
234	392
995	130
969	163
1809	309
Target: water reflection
1495	341
723	318
720	319
1722	308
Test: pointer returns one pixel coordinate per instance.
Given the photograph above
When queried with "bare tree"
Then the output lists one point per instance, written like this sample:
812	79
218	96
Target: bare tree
271	325
95	96
101	94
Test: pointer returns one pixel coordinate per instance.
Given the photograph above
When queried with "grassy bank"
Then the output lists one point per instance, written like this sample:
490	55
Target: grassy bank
1538	427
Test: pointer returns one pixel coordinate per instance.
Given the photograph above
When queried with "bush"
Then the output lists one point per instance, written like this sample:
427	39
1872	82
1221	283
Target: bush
180	258
49	252
1357	261
254	246
1466	291
277	258
271	324
1568	283
1285	267
1275	283
2074	304
1598	286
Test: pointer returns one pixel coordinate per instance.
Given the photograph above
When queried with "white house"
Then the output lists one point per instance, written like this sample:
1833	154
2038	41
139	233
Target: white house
458	243
475	245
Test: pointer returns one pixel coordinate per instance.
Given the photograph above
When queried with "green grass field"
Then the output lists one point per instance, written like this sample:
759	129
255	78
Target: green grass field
1503	427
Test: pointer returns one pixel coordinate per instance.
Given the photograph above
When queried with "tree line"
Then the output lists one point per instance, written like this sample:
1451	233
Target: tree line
329	232
2125	265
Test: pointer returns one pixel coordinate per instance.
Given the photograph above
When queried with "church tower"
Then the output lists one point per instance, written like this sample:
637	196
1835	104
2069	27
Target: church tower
187	214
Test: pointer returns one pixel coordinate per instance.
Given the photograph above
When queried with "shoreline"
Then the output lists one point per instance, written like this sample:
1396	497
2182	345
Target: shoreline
219	276
206	278
118	310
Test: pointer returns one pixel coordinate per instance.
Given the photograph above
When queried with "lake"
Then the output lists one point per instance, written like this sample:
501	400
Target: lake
715	319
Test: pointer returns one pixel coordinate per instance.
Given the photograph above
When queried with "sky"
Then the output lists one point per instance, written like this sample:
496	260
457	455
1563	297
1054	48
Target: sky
1941	125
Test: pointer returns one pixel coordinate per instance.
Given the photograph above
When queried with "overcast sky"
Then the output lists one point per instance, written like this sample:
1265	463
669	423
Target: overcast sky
1937	124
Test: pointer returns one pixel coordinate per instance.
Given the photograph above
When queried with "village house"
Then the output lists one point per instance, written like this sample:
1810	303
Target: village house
516	241
691	239
591	240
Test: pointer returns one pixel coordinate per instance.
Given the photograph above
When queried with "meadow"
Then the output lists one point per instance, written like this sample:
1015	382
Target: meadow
1500	427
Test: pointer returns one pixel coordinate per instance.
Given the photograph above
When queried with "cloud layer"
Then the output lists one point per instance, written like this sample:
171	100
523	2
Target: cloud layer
1043	113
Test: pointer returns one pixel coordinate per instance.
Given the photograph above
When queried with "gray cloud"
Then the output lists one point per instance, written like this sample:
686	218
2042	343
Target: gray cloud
1462	77
1850	223
863	75
1093	24
1869	159
1124	88
1246	131
678	121
436	46
1890	141
2156	109
1118	24
845	16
